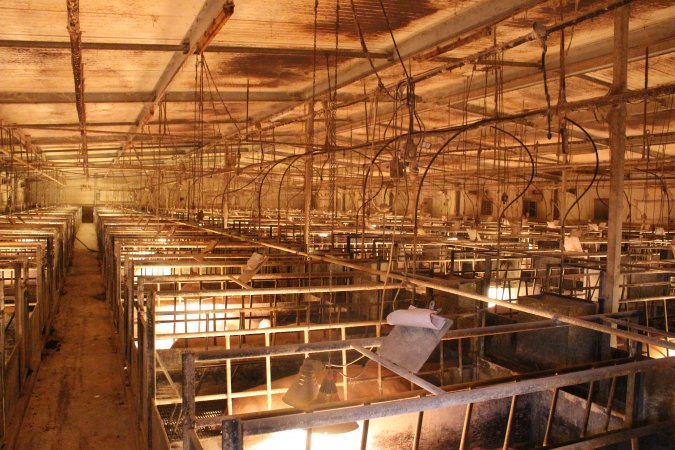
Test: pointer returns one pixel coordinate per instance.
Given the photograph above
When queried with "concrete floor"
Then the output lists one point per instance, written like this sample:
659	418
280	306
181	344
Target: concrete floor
79	400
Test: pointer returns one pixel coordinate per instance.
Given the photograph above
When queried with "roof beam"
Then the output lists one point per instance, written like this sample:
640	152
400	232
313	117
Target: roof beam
594	80
149	47
475	17
659	36
106	157
102	138
484	62
147	153
210	19
190	122
142	97
276	96
580	60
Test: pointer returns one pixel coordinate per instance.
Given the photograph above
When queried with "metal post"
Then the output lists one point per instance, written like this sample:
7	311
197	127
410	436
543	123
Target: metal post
233	437
646	304
610	401
418	431
488	275
48	300
308	439
140	299
345	390
268	374
364	434
21	317
188	398
665	318
465	428
2	355
509	423
587	412
139	360
551	414
150	363
630	406
460	365
308	170
228	376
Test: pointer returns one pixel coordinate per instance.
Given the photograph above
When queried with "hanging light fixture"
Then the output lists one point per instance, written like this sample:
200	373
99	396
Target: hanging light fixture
328	393
306	394
305	387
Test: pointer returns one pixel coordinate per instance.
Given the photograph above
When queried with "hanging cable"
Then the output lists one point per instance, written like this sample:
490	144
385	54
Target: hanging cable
393	39
220	97
595	173
542	36
364	47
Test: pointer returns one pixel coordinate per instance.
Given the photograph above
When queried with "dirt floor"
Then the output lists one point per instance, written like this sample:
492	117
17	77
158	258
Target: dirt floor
79	401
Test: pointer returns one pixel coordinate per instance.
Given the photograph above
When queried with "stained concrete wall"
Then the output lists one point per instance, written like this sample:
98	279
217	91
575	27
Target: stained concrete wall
564	346
442	428
654	203
436	201
80	191
659	396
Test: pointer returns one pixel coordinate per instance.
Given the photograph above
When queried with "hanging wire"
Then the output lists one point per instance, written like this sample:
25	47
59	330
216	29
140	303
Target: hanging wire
364	47
220	97
595	173
393	39
542	37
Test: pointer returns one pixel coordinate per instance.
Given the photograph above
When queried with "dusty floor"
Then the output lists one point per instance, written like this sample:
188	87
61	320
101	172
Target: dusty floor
78	401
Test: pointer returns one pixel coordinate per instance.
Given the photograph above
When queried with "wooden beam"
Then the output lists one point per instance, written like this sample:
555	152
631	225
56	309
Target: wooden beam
617	131
146	97
581	59
210	19
475	17
241	49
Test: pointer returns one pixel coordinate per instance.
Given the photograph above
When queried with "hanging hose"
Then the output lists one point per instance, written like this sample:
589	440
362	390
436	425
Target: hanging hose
85	245
529	182
595	174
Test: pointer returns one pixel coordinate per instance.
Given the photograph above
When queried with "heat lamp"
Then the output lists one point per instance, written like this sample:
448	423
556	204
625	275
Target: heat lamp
307	394
305	387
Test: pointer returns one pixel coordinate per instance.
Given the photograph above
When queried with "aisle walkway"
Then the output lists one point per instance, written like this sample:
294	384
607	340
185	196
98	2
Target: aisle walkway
78	400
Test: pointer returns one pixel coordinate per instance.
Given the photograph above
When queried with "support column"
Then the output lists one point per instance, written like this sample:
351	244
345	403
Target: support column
308	170
188	360
15	192
225	205
562	194
617	134
158	191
